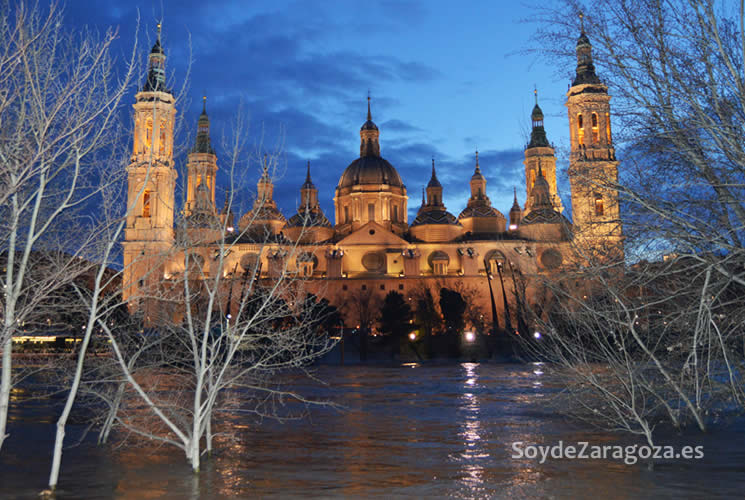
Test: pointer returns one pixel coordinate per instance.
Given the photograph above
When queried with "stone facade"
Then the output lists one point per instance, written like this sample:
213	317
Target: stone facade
371	247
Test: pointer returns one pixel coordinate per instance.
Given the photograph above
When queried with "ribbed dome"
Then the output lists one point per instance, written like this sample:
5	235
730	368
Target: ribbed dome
370	170
480	210
434	217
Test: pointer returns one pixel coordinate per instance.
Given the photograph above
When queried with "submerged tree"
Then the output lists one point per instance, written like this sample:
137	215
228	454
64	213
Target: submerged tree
59	106
659	338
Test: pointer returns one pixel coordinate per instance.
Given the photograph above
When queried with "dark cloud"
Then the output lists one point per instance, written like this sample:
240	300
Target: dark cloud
399	126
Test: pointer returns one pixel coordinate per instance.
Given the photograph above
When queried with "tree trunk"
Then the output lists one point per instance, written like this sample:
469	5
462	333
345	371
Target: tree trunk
5	388
103	436
62	422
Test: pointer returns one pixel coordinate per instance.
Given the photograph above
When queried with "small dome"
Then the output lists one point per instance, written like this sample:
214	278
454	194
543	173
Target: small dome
583	40
537	114
370	170
544	216
480	210
434	217
157	48
309	219
369	125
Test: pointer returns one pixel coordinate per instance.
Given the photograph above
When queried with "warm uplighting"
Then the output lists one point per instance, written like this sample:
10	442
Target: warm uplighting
412	336
231	229
470	336
513	227
537	335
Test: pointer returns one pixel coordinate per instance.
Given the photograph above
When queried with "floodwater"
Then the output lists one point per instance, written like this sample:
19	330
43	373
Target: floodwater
411	431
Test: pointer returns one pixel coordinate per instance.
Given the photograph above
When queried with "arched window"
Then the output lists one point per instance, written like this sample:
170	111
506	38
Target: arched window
346	214
146	203
607	128
595	129
149	133
599	209
580	131
395	213
162	145
371	211
532	180
136	148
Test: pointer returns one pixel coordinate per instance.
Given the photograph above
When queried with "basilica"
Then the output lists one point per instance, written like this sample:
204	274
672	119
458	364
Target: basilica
370	246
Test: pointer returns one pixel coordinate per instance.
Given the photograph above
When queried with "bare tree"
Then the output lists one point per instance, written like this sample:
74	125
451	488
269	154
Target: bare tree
58	110
659	339
229	325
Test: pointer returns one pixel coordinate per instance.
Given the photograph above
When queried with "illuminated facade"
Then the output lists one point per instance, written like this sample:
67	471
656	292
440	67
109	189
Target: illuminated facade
371	246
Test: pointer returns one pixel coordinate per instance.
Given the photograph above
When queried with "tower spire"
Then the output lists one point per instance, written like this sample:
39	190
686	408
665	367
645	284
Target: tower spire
478	168
156	75
307	174
585	67
203	143
369	135
538	133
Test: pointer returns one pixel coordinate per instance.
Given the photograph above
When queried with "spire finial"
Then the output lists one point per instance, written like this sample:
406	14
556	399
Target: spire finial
535	92
582	22
433	166
159	26
424	202
266	163
478	168
369	115
307	173
514	190
204	104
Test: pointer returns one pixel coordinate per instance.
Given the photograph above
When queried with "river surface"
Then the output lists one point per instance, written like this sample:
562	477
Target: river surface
411	431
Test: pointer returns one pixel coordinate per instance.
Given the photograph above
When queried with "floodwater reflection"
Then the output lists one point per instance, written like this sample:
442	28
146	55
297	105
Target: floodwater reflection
414	431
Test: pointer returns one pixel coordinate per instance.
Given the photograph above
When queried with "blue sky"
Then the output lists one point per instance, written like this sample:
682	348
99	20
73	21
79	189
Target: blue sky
445	78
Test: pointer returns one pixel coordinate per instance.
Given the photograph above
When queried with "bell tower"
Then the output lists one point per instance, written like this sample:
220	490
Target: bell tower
151	179
593	169
201	166
540	155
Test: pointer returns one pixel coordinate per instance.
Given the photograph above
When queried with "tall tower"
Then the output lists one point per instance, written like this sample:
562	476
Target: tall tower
201	166
593	169
540	155
151	178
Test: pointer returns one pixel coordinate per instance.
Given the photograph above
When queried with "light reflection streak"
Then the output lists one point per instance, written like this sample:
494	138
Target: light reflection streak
471	431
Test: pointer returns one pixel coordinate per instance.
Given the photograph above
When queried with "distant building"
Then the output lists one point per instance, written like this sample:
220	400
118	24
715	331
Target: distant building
371	245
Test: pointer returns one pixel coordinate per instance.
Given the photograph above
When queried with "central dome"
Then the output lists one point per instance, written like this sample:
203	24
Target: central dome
370	170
